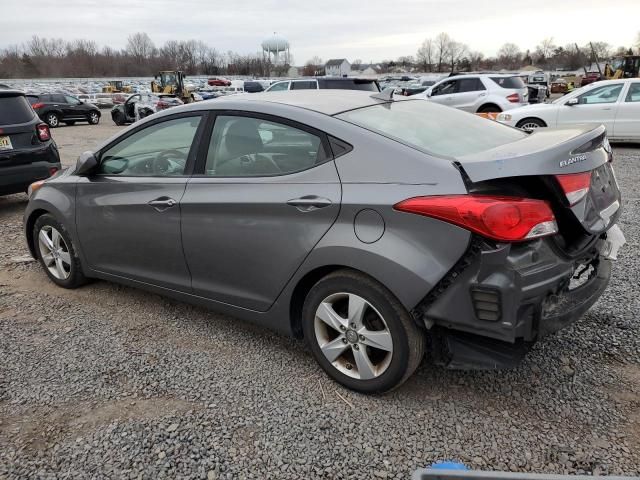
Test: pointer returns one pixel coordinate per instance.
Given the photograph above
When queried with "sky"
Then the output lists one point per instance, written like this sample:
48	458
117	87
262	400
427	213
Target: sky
369	30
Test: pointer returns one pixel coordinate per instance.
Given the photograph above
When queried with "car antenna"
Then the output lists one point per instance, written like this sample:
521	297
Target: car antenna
386	94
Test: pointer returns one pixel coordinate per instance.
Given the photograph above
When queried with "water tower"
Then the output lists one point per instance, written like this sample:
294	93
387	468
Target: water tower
276	50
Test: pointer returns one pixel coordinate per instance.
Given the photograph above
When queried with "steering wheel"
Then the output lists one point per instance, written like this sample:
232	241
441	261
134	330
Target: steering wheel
161	164
255	158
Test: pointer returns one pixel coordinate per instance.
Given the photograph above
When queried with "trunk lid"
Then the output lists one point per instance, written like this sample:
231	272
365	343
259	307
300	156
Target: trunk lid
547	153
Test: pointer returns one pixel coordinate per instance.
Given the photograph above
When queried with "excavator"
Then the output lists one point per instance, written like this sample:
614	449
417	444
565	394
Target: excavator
171	82
116	86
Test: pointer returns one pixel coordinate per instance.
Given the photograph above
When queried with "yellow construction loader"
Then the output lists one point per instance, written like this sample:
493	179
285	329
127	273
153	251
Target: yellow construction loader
116	86
627	66
171	82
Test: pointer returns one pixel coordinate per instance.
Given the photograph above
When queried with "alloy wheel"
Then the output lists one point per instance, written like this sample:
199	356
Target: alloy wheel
93	118
53	121
530	126
54	252
353	336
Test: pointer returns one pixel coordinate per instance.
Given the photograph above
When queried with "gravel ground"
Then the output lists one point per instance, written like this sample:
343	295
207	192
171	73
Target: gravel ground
112	382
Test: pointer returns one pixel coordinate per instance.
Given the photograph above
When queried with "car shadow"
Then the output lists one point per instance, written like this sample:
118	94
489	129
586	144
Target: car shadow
12	204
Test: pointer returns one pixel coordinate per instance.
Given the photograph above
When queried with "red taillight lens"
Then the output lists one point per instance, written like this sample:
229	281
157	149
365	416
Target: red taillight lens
43	132
506	219
514	98
162	105
52	170
37	105
575	186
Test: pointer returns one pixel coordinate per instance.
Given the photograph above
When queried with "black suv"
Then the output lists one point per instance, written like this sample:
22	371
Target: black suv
27	152
54	108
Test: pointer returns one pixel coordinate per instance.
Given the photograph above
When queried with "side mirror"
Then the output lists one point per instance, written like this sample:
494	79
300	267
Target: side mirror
86	164
572	101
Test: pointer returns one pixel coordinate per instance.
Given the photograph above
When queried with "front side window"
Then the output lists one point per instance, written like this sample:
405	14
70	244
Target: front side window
248	147
433	128
445	88
634	93
277	87
160	149
604	94
71	100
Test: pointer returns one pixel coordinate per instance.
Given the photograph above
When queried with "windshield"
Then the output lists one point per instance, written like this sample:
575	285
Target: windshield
433	128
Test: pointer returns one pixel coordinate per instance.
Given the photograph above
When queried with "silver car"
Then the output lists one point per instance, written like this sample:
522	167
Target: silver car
377	230
480	93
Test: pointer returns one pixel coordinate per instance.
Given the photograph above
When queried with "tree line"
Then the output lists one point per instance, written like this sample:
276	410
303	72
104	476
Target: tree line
51	57
55	57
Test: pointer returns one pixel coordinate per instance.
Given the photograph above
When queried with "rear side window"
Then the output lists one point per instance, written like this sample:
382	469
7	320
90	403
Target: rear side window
304	85
433	128
14	110
470	85
509	82
365	85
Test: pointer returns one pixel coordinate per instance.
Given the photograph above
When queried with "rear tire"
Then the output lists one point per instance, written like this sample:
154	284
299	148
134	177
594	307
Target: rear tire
529	124
489	109
52	119
56	253
373	352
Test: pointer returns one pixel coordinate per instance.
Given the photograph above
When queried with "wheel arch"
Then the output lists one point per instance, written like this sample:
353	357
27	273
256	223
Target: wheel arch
29	224
487	105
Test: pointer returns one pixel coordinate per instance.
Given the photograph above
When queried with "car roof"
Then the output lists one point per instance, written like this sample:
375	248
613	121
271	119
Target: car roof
328	102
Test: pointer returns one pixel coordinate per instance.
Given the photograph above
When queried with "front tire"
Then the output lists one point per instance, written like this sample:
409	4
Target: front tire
118	119
93	118
52	119
489	109
530	124
360	334
56	253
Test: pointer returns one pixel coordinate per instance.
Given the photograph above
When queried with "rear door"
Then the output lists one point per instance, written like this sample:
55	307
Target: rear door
627	122
128	214
73	108
266	193
597	106
470	92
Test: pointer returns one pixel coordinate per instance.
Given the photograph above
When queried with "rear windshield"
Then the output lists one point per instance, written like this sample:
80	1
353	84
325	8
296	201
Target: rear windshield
433	128
509	82
366	85
14	110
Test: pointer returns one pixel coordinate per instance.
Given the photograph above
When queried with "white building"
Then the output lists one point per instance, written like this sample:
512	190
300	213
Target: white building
337	67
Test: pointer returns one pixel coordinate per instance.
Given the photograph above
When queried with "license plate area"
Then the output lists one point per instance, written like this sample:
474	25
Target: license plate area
5	143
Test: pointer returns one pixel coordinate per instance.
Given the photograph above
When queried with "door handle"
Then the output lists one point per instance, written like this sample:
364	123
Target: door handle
162	203
309	203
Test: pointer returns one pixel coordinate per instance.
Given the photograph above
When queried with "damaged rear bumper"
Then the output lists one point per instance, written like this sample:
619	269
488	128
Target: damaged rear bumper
498	300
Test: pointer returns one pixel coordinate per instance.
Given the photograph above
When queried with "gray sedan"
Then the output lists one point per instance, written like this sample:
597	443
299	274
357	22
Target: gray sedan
377	230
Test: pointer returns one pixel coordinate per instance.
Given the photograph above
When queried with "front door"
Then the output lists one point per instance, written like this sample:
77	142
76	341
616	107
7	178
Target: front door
268	193
128	213
627	124
595	107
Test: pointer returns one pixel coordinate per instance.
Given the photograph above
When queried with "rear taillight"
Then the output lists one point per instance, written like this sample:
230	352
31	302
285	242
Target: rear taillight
162	105
43	132
506	219
514	98
37	105
52	171
575	186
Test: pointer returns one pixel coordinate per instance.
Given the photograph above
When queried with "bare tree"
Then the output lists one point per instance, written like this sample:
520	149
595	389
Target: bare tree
475	59
544	51
425	55
510	55
140	46
442	44
456	53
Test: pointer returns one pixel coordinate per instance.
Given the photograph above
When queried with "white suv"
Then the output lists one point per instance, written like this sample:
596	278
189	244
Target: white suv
481	93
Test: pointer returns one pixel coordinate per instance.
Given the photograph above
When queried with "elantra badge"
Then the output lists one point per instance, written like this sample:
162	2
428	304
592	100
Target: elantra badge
572	160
